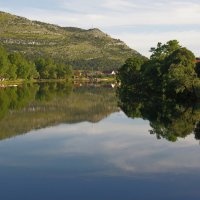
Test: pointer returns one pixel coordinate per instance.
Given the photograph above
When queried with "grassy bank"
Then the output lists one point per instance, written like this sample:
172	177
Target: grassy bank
21	81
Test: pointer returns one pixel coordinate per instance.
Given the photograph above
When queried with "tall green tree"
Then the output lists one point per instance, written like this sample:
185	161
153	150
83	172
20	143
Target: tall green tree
129	73
4	63
22	65
180	69
48	69
163	50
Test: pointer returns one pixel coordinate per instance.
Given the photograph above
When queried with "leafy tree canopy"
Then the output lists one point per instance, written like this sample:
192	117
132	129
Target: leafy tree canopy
16	66
164	90
169	71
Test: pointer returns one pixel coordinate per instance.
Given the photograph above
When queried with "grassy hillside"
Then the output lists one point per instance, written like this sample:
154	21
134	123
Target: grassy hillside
83	49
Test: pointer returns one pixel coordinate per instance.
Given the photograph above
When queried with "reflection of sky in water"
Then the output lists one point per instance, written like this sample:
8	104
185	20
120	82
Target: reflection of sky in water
116	151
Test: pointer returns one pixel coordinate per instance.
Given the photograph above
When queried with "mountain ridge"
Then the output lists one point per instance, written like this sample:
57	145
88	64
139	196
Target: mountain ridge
82	48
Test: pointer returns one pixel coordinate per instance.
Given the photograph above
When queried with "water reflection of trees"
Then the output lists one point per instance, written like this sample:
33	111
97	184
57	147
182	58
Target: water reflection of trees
16	98
35	106
169	118
163	89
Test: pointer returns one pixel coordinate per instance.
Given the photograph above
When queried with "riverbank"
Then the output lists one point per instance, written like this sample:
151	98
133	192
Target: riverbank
7	83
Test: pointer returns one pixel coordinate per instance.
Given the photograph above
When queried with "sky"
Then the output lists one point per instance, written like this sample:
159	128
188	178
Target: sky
141	24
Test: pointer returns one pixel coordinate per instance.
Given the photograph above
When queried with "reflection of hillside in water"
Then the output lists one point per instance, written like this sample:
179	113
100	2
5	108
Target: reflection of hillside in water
35	106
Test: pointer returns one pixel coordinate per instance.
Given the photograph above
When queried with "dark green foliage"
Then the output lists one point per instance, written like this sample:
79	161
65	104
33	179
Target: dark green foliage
160	52
181	74
197	131
101	63
129	73
197	69
170	71
163	90
48	69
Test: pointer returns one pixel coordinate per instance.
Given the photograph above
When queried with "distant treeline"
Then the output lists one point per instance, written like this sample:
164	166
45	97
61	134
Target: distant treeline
15	66
100	64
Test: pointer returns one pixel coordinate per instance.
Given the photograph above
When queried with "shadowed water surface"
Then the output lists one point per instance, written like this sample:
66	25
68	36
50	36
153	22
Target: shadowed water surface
63	142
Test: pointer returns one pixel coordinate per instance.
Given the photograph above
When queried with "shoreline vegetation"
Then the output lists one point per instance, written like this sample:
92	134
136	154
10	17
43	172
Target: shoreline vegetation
16	69
15	66
171	72
165	90
15	83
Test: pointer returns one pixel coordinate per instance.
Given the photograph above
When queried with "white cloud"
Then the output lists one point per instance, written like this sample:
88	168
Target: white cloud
119	5
124	148
109	14
142	42
118	13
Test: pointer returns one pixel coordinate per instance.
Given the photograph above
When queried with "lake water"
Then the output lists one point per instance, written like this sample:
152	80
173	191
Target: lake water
73	142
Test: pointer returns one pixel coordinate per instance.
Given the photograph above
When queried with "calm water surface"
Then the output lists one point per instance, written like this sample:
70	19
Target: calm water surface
67	142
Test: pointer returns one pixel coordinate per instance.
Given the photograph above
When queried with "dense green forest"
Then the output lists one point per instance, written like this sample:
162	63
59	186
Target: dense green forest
171	71
15	66
163	90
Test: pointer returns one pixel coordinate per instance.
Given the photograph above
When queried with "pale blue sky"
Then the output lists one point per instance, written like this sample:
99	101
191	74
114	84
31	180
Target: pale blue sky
140	23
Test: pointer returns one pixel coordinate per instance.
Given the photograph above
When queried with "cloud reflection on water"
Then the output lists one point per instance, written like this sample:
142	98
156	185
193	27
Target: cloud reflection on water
114	146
